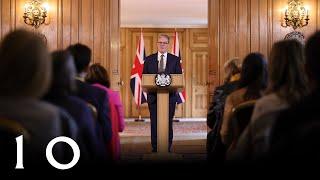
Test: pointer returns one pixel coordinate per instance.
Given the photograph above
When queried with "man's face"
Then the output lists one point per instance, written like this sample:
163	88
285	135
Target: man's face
163	44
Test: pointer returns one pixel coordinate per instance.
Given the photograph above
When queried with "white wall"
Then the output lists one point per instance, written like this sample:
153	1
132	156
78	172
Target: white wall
164	13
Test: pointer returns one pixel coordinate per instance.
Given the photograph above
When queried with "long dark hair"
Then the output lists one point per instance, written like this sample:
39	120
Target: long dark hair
64	72
312	53
286	71
98	74
253	75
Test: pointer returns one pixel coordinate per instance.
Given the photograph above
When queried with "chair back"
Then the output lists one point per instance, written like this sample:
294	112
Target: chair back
241	115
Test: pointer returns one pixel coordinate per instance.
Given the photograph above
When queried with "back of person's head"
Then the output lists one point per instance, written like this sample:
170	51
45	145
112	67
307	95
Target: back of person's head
98	74
312	53
231	67
25	68
64	72
82	56
287	75
253	75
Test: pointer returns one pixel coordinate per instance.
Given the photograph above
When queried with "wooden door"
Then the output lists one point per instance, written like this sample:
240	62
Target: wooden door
199	83
199	71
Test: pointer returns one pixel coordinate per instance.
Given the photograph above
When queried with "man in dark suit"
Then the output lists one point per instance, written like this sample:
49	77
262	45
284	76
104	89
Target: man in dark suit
162	61
95	96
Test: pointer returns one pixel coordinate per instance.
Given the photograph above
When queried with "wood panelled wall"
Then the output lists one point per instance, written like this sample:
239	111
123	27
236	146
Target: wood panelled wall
194	52
238	27
95	23
235	28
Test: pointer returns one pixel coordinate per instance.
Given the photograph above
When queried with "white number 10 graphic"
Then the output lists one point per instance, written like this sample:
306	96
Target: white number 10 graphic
49	155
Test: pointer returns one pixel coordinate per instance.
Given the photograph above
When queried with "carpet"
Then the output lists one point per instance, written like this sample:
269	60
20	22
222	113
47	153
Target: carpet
179	129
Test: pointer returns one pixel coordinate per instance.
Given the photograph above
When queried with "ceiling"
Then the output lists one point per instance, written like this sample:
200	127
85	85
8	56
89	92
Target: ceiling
164	13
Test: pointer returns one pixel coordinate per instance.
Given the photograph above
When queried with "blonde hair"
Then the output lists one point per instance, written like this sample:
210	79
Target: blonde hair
234	67
234	60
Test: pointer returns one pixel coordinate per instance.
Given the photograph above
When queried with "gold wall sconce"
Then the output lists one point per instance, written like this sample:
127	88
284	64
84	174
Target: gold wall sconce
296	15
35	12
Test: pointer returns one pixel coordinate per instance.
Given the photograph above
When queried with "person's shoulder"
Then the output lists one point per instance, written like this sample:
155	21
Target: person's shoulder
44	106
151	56
236	96
43	110
267	99
233	83
99	86
81	107
220	87
238	92
99	91
83	85
93	89
171	56
224	86
76	101
115	94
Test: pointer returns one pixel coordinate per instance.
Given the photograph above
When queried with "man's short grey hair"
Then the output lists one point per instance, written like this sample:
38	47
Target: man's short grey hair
165	36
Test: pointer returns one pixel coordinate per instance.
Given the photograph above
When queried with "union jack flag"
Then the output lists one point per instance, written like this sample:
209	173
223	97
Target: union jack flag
140	97
181	96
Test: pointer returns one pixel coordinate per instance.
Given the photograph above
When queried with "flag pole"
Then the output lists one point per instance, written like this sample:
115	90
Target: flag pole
174	48
139	108
139	119
136	71
174	116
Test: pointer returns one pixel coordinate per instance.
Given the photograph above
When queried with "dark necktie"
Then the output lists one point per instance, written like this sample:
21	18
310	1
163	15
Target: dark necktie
161	65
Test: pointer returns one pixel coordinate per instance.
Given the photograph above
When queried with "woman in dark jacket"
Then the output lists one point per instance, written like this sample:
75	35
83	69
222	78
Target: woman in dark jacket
215	148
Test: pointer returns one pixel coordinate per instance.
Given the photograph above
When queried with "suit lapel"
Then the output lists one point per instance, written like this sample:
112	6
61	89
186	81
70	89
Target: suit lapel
167	65
155	63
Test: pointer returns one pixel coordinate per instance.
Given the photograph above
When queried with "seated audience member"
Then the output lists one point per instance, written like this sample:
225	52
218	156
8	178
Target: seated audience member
287	86
294	137
63	85
25	73
215	148
93	95
287	78
253	81
98	77
232	73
